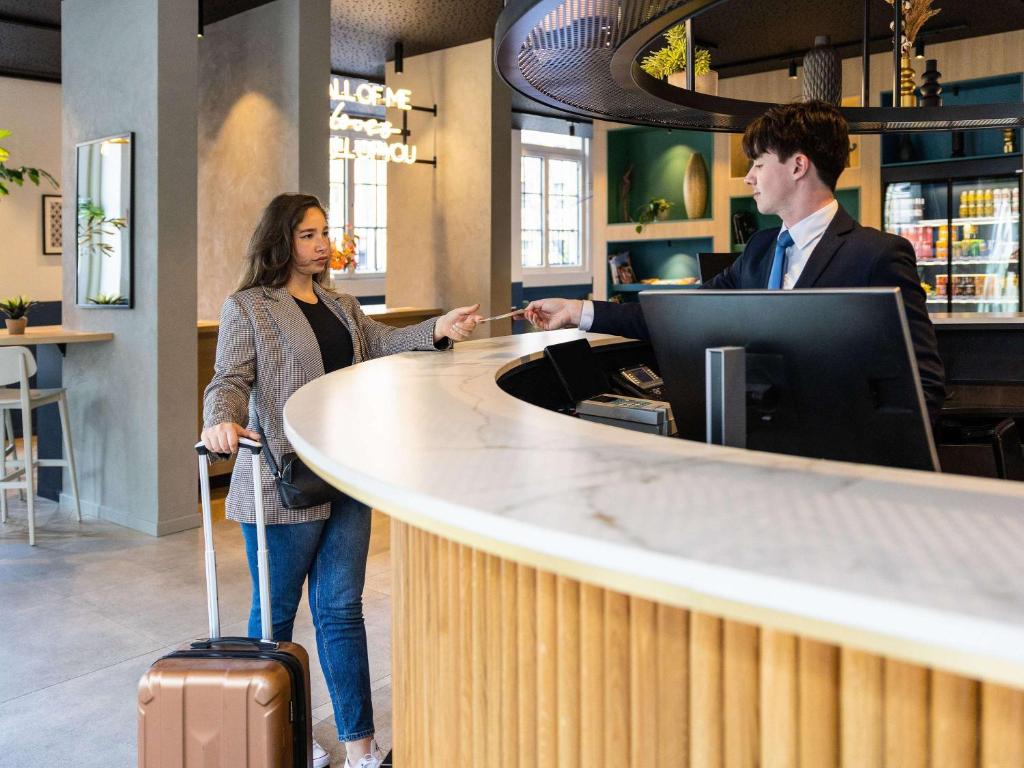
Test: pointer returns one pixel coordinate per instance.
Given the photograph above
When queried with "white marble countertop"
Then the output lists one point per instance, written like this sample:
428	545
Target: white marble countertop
918	566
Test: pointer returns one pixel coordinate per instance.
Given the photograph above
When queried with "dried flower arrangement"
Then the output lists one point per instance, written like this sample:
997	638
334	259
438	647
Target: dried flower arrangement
915	14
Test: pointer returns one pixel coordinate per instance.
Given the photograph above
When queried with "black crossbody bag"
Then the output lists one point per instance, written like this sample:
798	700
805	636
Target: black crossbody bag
297	485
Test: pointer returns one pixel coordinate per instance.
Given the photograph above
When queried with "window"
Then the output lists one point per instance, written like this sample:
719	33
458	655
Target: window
553	171
359	196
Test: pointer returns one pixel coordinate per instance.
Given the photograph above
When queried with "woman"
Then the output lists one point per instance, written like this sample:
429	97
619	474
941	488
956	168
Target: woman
280	330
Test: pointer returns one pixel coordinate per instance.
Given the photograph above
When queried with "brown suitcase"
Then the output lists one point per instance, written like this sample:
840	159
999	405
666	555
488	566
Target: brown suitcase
228	702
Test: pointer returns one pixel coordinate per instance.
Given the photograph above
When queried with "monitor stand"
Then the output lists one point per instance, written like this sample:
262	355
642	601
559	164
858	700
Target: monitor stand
726	388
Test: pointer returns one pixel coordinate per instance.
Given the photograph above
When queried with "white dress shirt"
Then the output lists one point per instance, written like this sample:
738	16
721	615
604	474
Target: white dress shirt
806	234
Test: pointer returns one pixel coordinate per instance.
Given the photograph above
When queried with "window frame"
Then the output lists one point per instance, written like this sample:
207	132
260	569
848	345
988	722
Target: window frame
560	271
348	192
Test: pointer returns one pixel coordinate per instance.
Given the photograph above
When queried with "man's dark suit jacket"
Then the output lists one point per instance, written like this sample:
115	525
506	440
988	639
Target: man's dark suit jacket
847	256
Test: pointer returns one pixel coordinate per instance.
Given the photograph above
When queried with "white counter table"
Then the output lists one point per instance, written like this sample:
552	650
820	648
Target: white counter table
562	587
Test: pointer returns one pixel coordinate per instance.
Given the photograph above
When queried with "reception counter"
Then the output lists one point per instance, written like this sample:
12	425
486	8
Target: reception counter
572	594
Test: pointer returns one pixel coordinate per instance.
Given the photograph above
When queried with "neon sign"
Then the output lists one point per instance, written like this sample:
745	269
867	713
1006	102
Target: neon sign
376	146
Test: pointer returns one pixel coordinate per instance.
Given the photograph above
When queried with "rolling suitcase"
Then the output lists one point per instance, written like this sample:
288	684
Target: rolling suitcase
228	702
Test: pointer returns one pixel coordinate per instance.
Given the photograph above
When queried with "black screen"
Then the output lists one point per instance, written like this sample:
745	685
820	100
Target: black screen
577	369
830	373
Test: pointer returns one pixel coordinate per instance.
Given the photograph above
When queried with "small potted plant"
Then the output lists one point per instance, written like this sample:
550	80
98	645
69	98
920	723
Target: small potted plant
670	63
656	209
17	308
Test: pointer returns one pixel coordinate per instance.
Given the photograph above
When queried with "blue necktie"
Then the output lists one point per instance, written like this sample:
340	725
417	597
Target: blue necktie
779	262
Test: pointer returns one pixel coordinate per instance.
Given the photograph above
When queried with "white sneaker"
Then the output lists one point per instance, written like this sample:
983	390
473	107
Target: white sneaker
321	759
372	760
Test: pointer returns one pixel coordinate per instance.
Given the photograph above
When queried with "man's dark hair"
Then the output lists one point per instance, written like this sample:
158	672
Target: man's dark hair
813	128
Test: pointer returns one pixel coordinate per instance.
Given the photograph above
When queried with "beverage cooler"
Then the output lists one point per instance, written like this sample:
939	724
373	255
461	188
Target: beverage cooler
966	233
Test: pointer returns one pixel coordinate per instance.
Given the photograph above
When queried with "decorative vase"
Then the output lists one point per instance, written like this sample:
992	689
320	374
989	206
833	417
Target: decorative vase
695	187
931	90
661	214
907	96
823	72
706	83
905	154
1009	141
956	144
16	327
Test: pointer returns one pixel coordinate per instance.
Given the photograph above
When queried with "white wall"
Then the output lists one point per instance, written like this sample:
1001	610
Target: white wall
32	111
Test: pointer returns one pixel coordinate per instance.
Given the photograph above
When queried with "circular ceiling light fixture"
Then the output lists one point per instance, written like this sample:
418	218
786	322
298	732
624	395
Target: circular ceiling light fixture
583	56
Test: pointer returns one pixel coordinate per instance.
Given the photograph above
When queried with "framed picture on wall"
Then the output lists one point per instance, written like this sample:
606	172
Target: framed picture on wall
53	229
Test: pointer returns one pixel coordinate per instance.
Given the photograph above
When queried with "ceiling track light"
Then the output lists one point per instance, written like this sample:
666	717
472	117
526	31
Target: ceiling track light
919	49
792	70
199	31
399	56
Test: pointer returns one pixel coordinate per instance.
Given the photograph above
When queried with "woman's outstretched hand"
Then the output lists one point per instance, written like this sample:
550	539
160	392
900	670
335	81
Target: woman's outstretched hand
458	324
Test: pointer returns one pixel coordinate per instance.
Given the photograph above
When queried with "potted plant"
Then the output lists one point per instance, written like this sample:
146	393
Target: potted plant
670	62
656	209
18	175
17	308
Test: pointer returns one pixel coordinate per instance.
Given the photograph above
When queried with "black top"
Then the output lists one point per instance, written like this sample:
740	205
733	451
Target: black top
331	335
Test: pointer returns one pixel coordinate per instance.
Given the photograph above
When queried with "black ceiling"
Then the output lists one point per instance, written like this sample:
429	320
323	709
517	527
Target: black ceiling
744	35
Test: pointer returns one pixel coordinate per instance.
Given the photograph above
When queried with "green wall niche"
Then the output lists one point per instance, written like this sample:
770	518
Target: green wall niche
659	159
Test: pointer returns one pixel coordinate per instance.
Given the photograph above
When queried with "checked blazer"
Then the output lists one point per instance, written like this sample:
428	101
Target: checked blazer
266	350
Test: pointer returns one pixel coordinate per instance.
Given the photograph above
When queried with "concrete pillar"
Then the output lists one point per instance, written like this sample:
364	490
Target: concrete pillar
130	65
449	228
263	128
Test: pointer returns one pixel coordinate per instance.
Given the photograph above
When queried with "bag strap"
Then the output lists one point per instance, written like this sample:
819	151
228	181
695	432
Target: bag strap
267	454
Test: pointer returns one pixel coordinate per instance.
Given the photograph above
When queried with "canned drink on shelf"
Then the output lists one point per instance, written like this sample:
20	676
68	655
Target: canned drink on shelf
991	287
941	284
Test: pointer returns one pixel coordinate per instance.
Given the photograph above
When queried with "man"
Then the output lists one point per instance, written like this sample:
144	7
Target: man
798	152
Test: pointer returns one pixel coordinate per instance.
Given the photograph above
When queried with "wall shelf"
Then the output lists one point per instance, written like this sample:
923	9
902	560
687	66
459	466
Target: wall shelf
909	149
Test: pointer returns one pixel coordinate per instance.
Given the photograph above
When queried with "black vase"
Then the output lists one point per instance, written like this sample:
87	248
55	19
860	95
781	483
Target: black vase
957	148
931	90
823	72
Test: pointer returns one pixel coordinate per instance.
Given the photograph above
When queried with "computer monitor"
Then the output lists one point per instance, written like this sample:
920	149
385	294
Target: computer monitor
710	265
830	373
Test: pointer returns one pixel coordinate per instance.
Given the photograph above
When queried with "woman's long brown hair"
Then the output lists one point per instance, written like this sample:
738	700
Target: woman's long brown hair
268	260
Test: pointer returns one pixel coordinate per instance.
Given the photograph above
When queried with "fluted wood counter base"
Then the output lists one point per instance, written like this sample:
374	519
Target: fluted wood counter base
499	664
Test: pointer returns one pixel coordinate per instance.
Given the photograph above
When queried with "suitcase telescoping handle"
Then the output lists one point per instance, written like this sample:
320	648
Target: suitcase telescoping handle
262	559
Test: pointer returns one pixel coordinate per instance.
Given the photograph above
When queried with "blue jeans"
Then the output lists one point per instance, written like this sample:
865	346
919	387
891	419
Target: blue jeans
332	553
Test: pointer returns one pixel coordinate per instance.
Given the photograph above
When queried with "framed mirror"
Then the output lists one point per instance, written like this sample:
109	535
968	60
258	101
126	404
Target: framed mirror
103	190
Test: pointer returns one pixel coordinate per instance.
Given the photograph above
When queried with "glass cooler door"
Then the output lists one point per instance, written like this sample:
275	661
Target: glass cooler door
919	212
984	245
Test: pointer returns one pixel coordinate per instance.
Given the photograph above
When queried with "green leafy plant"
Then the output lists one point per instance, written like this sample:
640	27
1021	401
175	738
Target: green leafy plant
650	211
103	298
95	226
17	307
18	175
672	58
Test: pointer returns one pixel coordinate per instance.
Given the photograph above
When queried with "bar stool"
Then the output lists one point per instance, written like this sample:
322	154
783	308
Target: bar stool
9	444
16	367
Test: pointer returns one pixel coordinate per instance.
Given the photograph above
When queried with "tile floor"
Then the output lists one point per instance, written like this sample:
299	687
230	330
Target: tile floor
92	605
